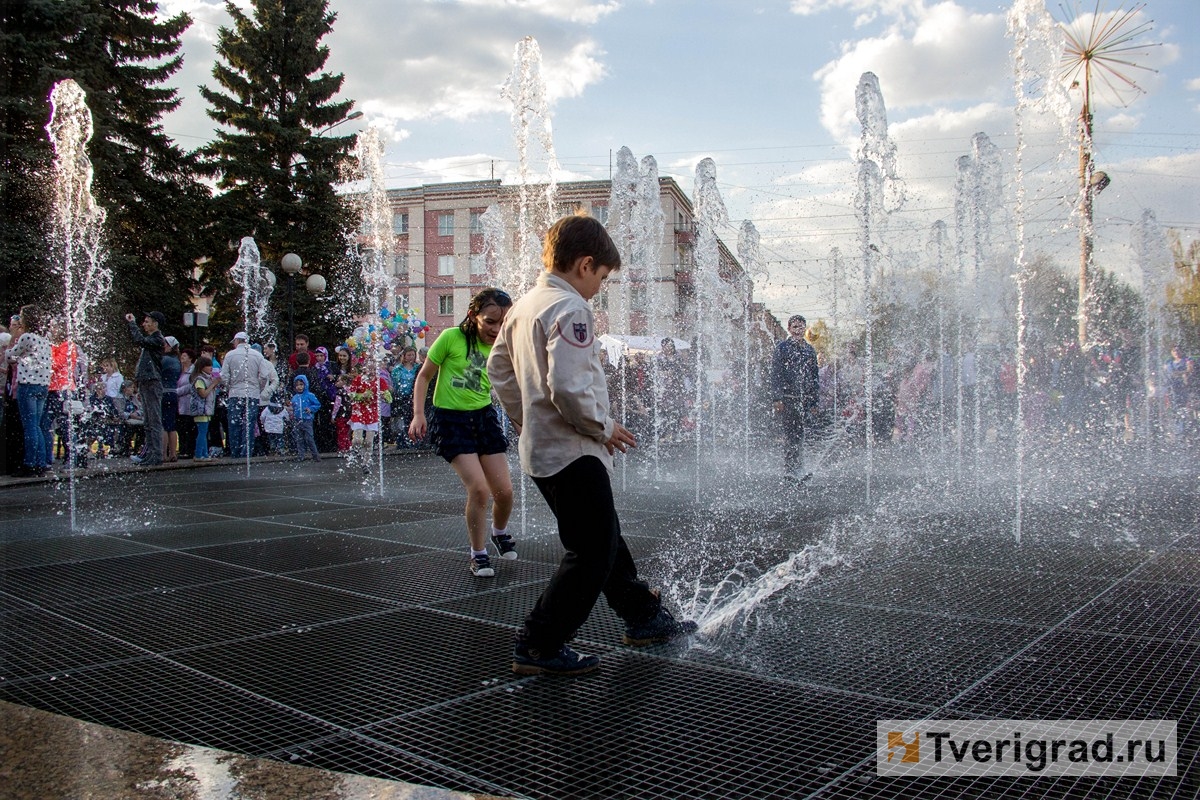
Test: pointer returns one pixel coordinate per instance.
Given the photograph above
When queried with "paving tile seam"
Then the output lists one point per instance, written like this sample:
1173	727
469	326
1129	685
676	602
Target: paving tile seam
435	605
925	613
300	627
945	707
149	653
156	590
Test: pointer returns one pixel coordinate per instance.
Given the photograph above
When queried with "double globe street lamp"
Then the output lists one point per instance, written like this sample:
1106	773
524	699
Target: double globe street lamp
291	264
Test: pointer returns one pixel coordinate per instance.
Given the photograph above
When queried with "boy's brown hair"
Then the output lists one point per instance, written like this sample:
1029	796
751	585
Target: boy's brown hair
575	237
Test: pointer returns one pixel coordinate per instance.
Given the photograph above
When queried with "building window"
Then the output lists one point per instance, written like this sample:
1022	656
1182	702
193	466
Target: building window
478	264
600	301
445	224
637	295
446	305
476	222
445	265
601	214
400	222
400	264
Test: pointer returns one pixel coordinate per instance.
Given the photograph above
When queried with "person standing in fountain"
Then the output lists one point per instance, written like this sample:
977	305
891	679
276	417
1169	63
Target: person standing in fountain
249	379
546	370
466	428
149	379
31	354
795	391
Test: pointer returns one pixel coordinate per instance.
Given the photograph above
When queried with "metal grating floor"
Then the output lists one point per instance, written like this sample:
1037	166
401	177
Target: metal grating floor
303	616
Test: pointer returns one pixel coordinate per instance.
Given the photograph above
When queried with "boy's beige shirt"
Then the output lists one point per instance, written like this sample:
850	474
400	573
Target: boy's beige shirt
545	368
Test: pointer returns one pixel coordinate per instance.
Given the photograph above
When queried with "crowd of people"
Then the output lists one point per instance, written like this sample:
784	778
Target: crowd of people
183	403
177	402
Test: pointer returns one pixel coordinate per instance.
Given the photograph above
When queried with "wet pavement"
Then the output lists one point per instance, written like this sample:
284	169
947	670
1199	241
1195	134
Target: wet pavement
308	618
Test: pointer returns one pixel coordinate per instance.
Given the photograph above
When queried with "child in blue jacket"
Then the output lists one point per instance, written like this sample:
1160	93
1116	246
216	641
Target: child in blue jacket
304	410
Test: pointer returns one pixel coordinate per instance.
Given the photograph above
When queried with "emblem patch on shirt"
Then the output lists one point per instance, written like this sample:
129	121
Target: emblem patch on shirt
581	331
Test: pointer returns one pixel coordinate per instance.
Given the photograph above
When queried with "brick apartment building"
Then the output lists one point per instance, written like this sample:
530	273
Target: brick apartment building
440	260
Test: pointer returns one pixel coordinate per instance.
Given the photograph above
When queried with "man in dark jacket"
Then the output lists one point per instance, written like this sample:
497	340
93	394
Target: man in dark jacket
149	380
794	385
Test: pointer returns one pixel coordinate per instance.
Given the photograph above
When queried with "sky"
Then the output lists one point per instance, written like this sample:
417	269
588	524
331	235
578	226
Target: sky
766	88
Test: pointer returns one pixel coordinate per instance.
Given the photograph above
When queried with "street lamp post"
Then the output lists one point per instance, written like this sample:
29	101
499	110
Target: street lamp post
291	265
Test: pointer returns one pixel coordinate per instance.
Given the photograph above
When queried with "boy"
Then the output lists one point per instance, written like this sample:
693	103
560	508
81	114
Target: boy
274	422
546	371
304	410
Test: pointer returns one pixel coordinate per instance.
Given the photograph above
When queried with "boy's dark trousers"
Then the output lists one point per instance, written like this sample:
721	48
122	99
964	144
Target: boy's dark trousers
597	559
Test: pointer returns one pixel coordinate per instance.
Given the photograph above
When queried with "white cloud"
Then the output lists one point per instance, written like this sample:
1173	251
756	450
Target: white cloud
866	10
948	56
566	10
1193	85
448	60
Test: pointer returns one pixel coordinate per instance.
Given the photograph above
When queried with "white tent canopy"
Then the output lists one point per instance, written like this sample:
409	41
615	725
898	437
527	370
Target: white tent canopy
618	344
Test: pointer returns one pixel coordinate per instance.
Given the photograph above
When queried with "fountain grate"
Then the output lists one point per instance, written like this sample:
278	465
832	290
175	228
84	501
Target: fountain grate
355	672
1123	611
984	594
645	727
157	698
1079	675
291	554
54	584
422	578
378	653
38	552
921	658
36	643
194	616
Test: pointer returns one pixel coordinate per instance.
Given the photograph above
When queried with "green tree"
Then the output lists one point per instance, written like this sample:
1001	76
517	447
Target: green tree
274	169
1183	293
121	55
32	58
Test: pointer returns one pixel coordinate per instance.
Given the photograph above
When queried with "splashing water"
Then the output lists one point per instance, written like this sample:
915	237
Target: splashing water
749	249
623	201
741	592
526	90
375	213
715	303
77	227
257	286
1154	260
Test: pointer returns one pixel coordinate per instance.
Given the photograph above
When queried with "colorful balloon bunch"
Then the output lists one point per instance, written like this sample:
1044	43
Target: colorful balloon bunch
398	328
403	326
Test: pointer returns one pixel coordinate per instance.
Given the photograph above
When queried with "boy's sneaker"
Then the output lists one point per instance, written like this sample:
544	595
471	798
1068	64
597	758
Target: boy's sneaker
507	547
481	566
565	662
660	628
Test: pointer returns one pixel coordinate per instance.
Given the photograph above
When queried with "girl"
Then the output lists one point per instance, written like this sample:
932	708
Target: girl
203	402
404	375
185	423
365	396
466	430
340	373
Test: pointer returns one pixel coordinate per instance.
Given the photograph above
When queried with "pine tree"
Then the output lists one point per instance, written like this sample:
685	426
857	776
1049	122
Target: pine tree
150	186
274	170
121	55
32	59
